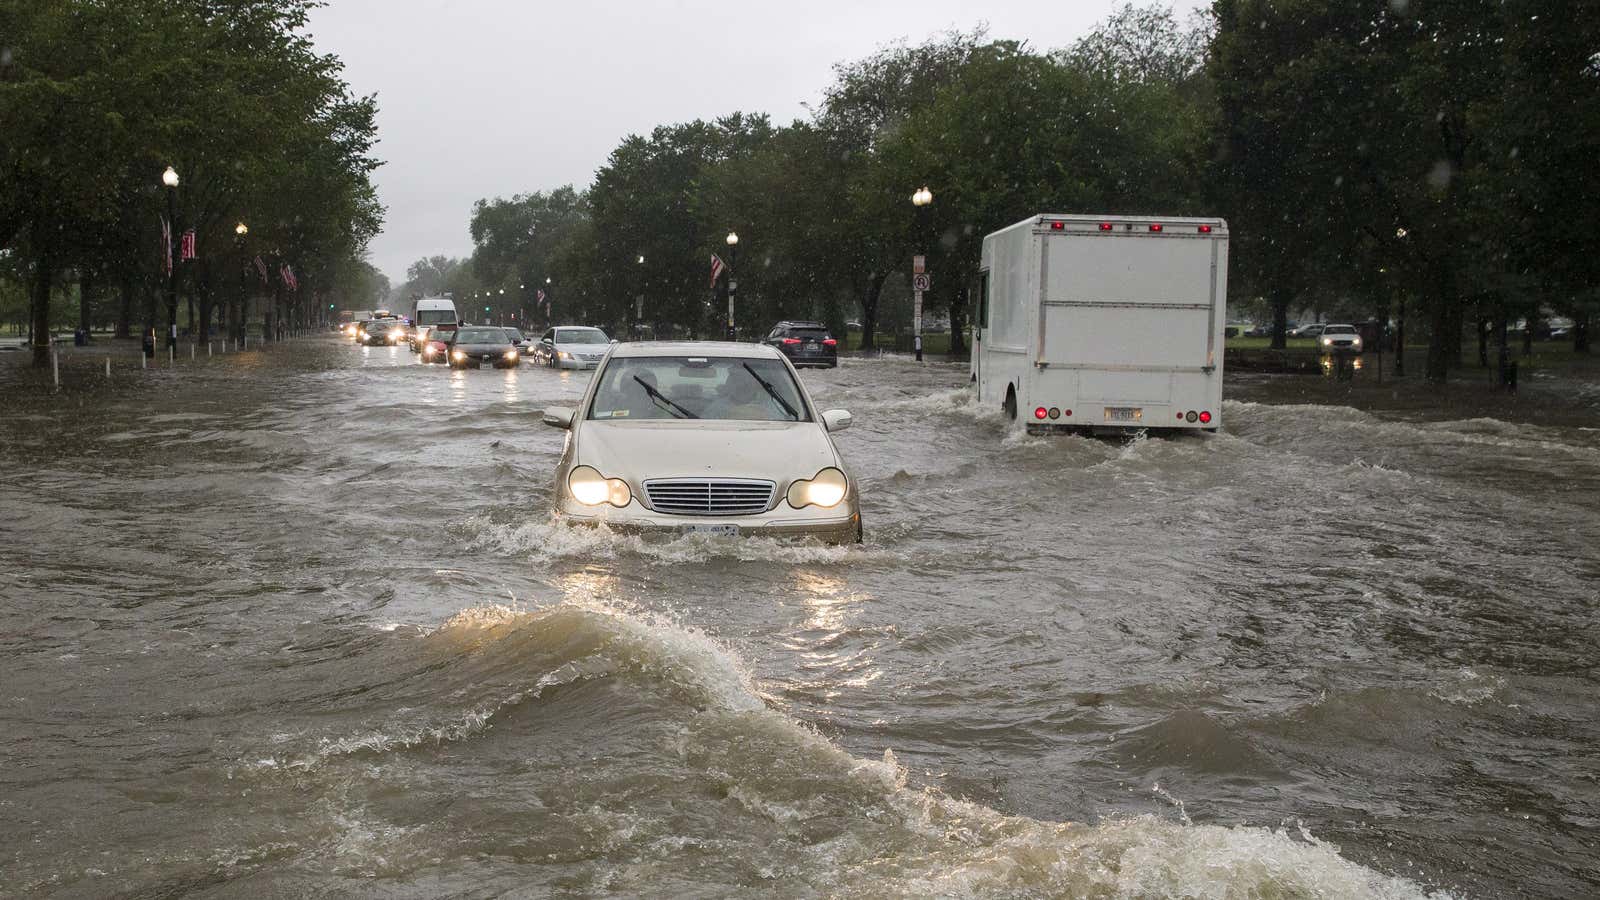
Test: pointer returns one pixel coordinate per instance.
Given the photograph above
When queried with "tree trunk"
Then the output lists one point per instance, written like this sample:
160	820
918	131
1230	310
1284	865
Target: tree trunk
869	309
85	290
1501	329
1483	341
958	322
1580	332
1400	339
1280	320
42	276
1443	347
188	299
125	309
1531	323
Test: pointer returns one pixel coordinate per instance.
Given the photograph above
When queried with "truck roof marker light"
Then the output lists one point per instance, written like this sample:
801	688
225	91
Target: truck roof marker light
1105	226
1040	413
1058	226
1155	227
1205	417
1205	229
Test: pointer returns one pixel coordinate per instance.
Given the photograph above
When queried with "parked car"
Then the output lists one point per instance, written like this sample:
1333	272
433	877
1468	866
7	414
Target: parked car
572	347
473	346
1340	338
1313	330
1259	331
805	343
718	438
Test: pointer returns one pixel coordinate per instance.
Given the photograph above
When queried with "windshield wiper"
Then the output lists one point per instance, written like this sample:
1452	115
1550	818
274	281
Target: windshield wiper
773	392
666	401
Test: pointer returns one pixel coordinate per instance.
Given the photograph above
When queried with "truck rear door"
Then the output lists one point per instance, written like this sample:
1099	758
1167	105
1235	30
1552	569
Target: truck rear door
1129	301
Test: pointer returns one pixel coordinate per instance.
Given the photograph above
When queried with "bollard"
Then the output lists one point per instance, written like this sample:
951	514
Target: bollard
108	368
144	359
55	367
208	349
172	356
191	351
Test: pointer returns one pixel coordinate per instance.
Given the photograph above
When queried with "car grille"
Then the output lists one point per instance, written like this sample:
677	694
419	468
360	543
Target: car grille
709	496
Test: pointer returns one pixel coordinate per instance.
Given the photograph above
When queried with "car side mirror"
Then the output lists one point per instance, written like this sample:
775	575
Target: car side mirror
837	419
559	416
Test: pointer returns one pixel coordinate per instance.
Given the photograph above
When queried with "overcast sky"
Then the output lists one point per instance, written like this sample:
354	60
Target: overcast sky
487	98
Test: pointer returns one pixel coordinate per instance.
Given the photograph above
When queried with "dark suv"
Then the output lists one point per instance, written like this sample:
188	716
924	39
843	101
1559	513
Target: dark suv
805	343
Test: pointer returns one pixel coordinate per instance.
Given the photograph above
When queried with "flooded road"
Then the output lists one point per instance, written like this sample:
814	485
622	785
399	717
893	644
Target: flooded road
298	624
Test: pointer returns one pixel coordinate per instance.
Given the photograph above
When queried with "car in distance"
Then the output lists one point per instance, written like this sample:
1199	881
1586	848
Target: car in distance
572	347
436	349
1340	339
473	345
703	437
805	343
1312	330
383	332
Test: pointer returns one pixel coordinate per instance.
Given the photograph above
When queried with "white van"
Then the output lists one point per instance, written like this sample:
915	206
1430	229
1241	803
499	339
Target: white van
436	313
1103	322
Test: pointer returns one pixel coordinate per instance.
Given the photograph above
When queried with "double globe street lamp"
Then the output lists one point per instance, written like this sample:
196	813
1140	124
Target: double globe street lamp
922	199
733	281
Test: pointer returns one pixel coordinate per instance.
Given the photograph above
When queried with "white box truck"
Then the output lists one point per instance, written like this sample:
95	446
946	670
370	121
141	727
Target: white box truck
1103	322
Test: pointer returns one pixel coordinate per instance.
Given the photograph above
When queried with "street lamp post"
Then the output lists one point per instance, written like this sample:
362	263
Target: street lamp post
733	277
170	179
242	313
922	199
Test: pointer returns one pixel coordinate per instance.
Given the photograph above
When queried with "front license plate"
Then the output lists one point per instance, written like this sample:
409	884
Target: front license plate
710	529
1124	414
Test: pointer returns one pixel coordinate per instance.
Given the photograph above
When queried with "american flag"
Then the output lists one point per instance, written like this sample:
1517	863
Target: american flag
541	301
287	274
188	245
261	268
166	246
716	269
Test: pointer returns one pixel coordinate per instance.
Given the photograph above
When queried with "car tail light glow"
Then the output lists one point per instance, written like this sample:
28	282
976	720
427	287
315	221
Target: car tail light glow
1040	413
791	340
1105	226
1156	228
829	342
1205	417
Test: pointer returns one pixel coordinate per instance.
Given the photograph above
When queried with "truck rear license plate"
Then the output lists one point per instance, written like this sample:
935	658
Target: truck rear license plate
728	530
1124	414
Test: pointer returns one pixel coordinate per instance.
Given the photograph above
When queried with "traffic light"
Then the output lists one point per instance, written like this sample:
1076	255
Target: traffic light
330	306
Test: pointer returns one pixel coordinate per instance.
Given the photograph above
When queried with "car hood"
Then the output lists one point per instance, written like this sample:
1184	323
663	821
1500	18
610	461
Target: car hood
778	451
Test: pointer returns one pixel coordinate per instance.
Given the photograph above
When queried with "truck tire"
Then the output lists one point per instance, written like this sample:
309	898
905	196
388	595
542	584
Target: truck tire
1010	406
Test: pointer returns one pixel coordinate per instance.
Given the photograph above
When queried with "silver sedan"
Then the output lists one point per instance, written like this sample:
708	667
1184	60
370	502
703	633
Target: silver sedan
717	438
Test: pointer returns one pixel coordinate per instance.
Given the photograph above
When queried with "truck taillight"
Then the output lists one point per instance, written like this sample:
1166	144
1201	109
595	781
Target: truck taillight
1057	226
1205	418
1155	228
1040	413
1105	226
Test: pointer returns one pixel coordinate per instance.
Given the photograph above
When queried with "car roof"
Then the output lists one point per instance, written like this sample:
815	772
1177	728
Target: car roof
696	348
801	323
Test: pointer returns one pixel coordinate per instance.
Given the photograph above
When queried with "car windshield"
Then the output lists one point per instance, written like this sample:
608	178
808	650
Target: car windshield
580	336
687	387
1339	329
480	336
435	316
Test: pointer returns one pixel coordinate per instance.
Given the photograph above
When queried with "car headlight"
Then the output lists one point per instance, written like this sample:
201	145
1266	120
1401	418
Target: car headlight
563	354
826	489
511	354
458	356
1327	340
590	488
